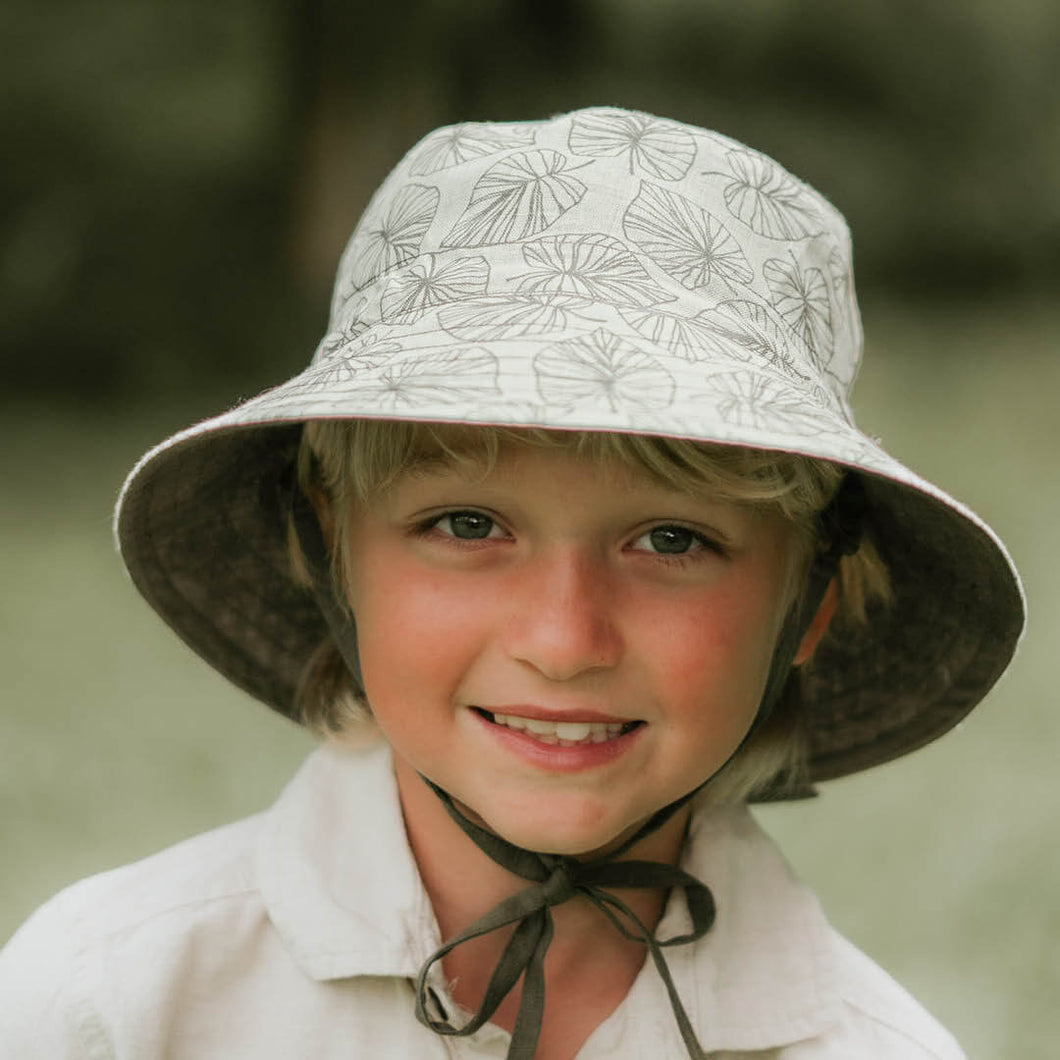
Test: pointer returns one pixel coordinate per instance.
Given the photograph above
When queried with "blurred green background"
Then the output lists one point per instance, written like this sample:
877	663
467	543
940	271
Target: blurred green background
178	180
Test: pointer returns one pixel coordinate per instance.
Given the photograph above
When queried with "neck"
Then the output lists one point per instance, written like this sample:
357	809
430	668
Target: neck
463	883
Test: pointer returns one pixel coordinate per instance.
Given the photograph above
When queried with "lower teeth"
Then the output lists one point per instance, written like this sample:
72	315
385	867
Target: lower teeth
549	739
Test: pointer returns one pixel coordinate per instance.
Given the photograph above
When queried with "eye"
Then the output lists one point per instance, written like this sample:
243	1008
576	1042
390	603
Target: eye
467	526
672	540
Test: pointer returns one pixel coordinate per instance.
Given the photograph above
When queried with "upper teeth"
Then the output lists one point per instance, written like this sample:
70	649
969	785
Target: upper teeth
565	731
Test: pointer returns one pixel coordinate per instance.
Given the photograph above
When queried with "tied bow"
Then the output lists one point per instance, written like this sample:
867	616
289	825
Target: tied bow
555	879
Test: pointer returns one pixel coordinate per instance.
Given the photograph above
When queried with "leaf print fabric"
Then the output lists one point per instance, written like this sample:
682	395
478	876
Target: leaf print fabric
846	321
769	200
595	266
684	240
746	330
608	269
343	294
345	359
748	399
518	197
391	235
410	294
654	146
602	370
841	276
690	338
337	340
510	316
335	371
831	397
801	298
447	377
353	324
457	144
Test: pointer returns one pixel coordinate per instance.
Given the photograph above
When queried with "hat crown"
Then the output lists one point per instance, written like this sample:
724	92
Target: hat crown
658	240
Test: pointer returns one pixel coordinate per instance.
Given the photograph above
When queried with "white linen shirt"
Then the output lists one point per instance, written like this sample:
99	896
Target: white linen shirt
299	932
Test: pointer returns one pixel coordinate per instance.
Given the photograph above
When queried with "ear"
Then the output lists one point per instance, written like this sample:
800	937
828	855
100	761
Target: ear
819	626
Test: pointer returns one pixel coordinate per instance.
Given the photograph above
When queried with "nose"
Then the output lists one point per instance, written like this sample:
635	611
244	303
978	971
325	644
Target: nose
562	617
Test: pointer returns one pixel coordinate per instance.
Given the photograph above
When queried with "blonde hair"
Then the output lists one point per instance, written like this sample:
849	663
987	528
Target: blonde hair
343	462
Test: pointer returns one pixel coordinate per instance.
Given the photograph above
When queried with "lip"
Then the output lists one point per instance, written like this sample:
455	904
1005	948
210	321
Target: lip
552	757
529	710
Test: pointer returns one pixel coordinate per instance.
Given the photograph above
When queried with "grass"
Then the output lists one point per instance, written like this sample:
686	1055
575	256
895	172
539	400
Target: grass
116	741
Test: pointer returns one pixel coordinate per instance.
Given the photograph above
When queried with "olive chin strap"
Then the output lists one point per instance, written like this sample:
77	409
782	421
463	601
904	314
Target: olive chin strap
840	528
556	878
337	616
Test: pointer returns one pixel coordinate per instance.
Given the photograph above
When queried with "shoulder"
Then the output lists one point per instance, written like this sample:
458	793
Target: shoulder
192	874
880	1019
775	974
130	922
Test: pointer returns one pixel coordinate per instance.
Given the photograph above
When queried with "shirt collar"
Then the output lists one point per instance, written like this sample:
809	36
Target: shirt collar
764	975
341	887
336	873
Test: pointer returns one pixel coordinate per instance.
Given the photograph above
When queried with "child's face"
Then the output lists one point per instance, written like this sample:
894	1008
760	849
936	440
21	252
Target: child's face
558	589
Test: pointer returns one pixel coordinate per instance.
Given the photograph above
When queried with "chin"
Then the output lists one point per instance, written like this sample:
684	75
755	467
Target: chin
546	838
550	843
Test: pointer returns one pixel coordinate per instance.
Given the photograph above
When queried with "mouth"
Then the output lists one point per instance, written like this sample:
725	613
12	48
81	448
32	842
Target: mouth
561	733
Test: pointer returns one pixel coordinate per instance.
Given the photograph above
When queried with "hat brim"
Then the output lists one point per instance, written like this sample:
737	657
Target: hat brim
202	527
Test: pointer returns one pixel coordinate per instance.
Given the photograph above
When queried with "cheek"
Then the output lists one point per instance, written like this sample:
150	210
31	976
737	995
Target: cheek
705	649
411	628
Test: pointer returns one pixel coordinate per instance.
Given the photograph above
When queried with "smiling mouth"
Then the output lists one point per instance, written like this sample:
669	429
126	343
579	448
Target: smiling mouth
562	733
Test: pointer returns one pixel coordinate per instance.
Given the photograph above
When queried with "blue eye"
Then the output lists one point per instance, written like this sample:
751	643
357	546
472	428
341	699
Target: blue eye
468	526
673	540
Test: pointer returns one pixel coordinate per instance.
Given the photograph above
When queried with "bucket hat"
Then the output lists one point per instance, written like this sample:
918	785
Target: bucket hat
600	270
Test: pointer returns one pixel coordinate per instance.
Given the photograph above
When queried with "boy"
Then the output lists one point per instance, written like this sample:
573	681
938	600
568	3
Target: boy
571	509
